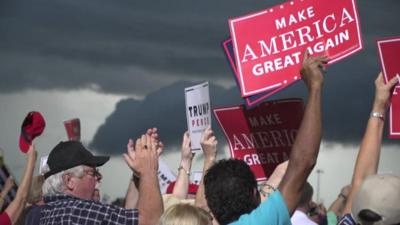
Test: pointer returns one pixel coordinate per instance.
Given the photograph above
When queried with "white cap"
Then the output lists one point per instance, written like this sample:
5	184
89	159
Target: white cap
380	194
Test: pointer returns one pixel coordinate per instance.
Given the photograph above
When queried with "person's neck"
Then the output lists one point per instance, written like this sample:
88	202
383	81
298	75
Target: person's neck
303	209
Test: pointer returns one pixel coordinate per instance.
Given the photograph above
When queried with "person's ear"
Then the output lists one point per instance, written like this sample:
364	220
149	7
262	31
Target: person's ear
69	183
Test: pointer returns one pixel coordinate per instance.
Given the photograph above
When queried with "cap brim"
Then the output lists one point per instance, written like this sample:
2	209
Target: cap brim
97	161
93	162
23	144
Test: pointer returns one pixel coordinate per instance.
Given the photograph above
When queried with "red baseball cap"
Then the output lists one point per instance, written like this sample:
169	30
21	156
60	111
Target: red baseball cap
192	188
32	127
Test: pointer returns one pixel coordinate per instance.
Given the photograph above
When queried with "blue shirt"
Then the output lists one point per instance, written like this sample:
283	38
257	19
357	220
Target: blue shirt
273	211
67	210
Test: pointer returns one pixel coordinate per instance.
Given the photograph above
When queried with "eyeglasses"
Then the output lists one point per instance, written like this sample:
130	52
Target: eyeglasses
94	173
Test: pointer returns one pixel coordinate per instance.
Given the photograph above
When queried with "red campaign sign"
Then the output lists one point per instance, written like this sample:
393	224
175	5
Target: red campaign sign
394	115
250	100
389	53
269	45
262	136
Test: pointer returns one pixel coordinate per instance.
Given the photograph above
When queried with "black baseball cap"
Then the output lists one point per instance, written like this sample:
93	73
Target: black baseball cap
68	154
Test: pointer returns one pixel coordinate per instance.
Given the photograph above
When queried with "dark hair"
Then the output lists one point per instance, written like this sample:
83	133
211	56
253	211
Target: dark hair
367	215
231	190
306	195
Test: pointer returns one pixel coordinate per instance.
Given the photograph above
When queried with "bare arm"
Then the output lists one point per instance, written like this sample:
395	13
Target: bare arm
132	194
182	181
17	205
209	145
370	148
338	205
306	146
144	162
7	187
273	181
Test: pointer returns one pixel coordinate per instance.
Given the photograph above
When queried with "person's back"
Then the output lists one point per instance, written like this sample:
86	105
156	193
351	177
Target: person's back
66	209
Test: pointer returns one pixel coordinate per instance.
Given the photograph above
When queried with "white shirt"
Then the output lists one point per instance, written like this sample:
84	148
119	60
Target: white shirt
300	218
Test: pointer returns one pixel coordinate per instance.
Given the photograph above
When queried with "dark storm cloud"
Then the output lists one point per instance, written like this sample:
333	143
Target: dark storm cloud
345	112
164	109
72	44
138	47
110	46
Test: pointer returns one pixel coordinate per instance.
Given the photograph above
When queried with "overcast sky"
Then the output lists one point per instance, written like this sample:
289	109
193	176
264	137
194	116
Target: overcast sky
121	67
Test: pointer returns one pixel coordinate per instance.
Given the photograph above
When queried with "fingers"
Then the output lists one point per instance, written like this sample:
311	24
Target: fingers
128	160
379	79
130	146
160	148
149	143
186	139
138	145
392	82
306	55
208	132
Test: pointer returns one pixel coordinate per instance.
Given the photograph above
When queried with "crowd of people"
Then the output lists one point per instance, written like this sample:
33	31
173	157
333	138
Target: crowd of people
228	192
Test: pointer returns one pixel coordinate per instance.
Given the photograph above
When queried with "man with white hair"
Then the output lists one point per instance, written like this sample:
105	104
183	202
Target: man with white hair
72	179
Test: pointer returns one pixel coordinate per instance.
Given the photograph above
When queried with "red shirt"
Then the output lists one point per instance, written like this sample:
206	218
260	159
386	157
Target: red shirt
5	219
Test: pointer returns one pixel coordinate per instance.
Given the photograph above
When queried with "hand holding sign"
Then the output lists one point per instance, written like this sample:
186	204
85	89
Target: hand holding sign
186	153
209	144
383	93
311	70
388	49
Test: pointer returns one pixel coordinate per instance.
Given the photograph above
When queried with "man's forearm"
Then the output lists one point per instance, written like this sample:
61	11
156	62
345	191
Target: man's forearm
150	204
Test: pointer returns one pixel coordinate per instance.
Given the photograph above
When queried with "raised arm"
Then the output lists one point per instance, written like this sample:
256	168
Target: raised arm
6	188
143	160
306	146
132	194
209	145
18	204
273	181
338	205
370	148
182	181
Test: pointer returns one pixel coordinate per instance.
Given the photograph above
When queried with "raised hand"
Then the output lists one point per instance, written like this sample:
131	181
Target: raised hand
143	158
311	70
186	153
209	143
152	132
383	93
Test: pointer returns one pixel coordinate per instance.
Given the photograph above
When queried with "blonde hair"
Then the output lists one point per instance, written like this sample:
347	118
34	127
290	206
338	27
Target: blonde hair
185	214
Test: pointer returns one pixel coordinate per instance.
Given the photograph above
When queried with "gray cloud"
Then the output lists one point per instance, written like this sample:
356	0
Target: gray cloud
110	46
70	44
164	109
145	47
